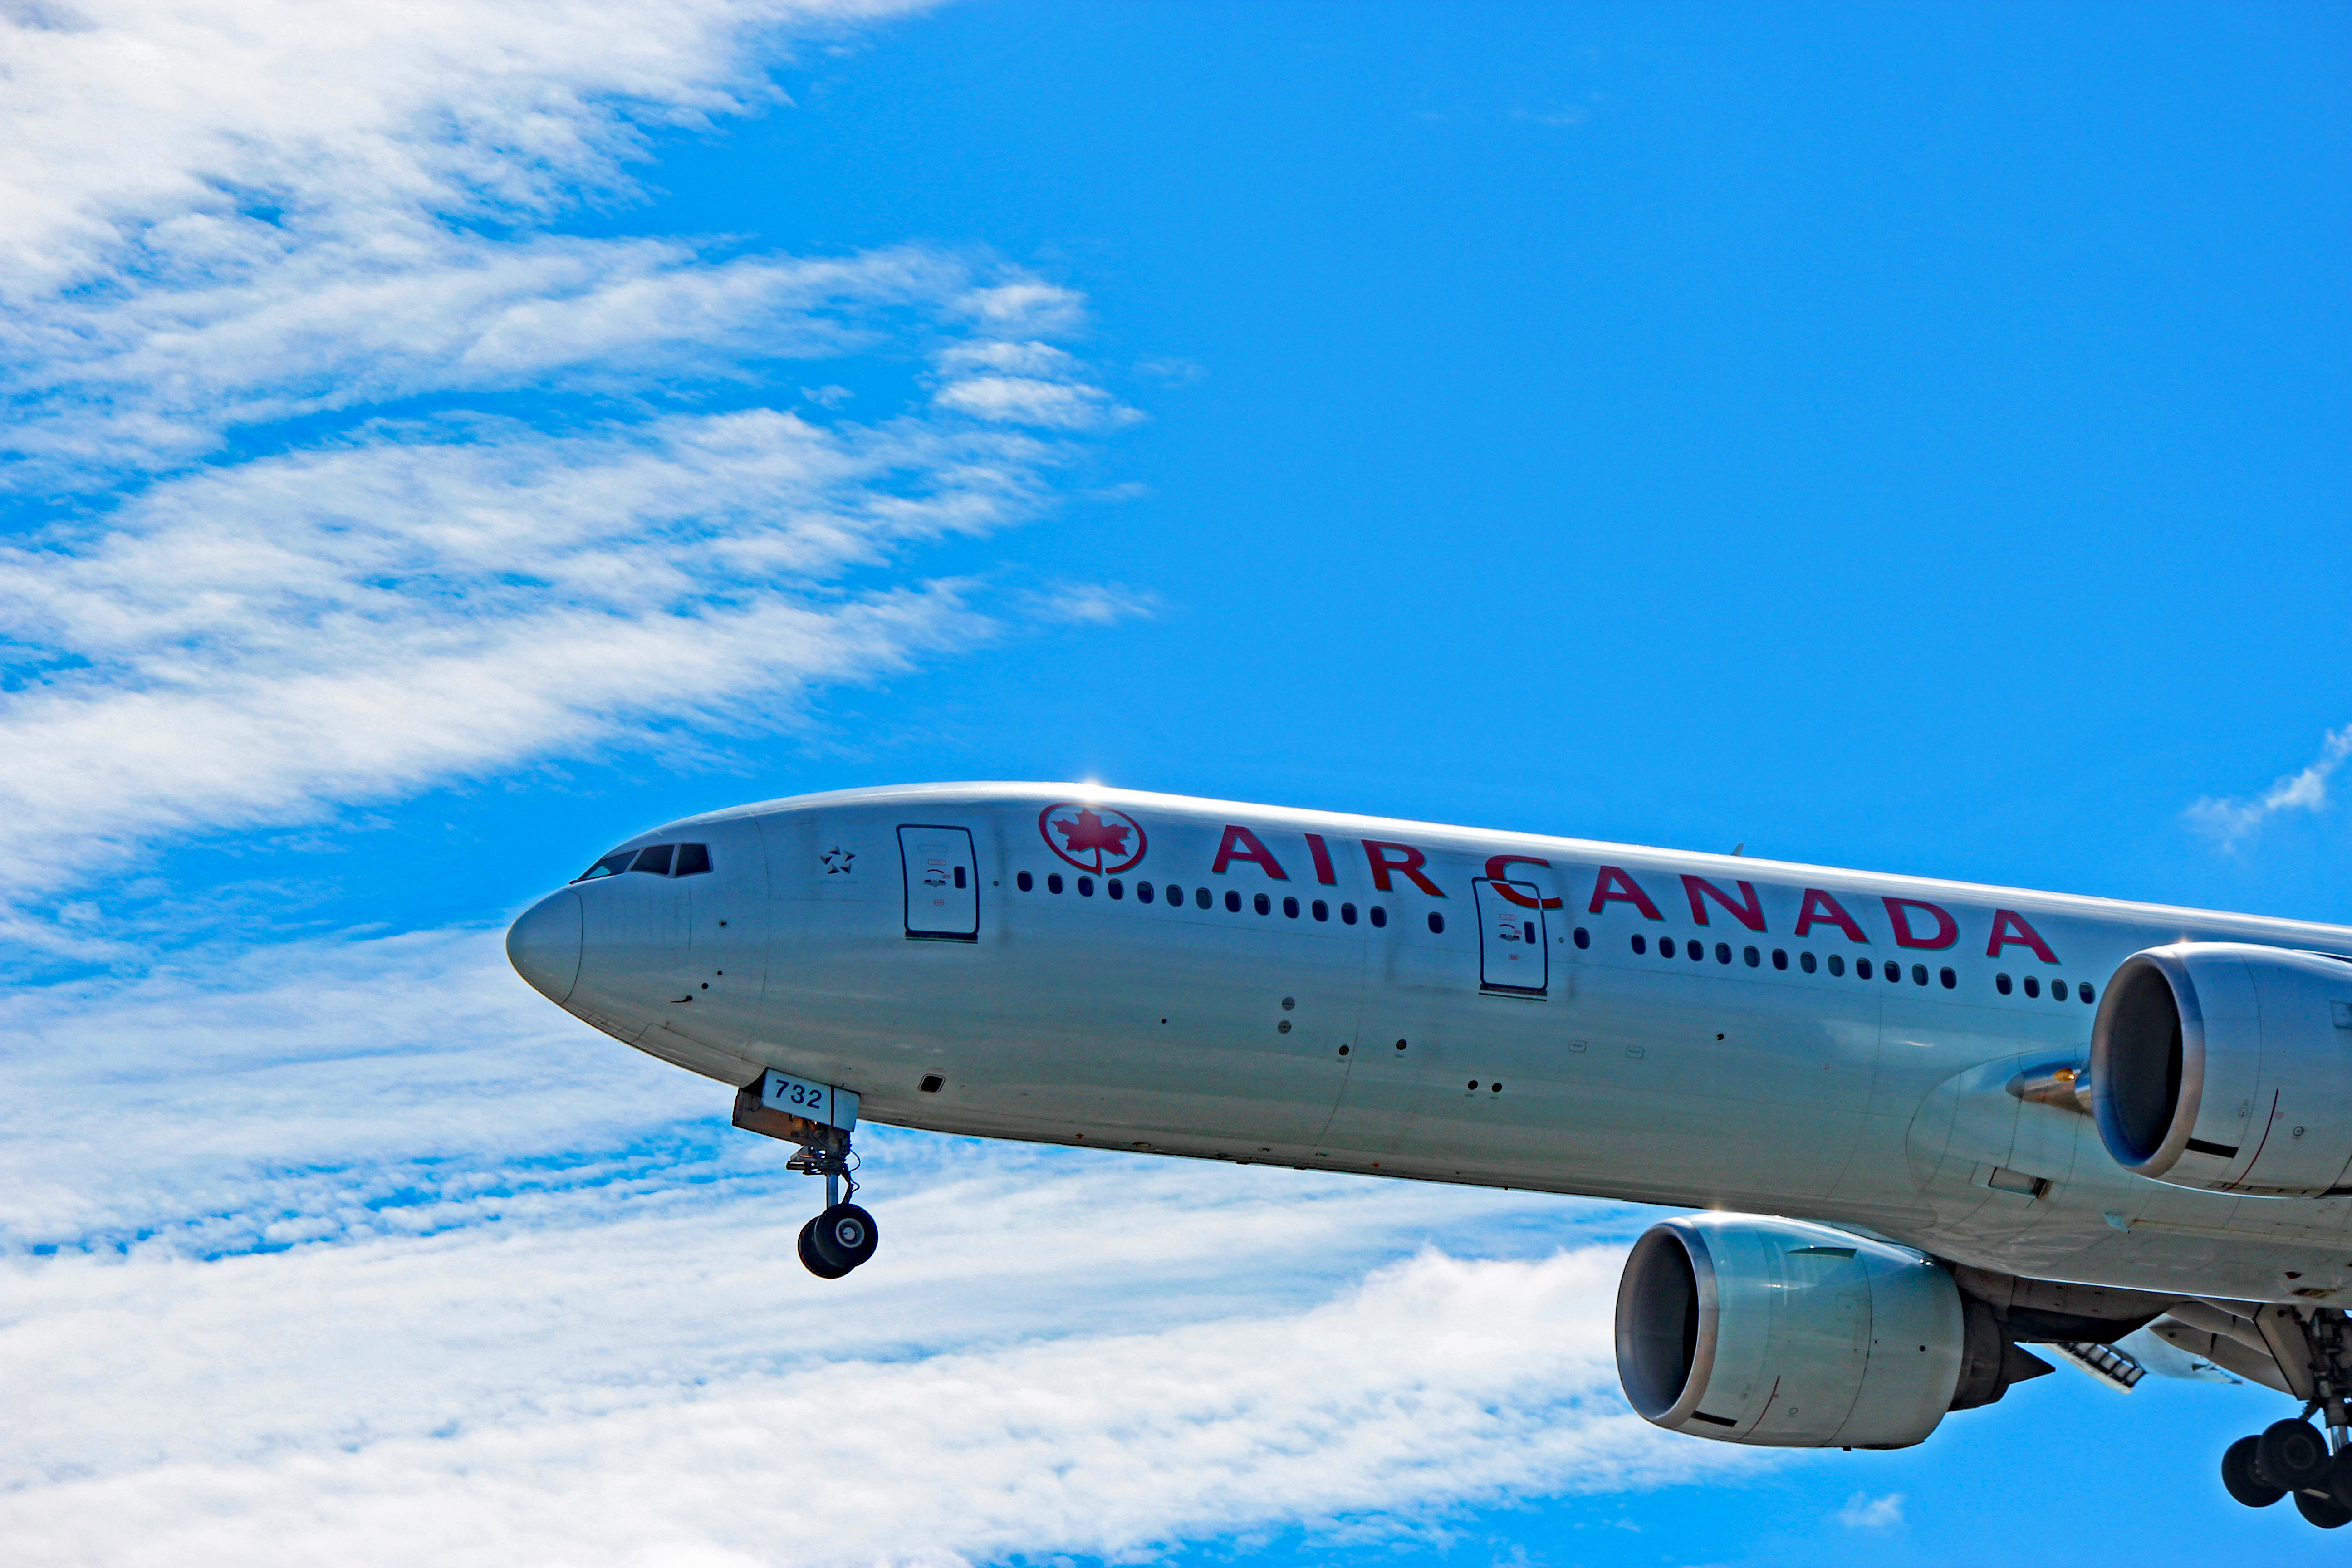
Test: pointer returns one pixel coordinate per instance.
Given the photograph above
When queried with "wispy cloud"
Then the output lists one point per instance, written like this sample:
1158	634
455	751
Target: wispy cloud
1862	1512
362	1254
225	216
2231	820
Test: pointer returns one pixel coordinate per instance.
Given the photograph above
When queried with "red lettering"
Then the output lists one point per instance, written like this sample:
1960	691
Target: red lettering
2009	926
1323	872
1498	872
1822	908
1947	930
1240	844
1749	913
1612	883
1410	861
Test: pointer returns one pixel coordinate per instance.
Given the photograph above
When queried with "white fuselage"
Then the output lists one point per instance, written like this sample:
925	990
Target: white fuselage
1581	1017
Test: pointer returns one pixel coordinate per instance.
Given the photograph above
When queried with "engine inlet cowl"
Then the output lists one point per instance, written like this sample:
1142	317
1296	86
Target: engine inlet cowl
2226	1067
1789	1334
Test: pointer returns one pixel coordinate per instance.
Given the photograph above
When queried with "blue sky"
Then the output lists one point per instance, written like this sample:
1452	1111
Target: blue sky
442	443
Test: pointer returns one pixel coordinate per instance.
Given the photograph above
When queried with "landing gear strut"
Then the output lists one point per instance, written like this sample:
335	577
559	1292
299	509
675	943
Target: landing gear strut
2295	1458
817	1120
845	1235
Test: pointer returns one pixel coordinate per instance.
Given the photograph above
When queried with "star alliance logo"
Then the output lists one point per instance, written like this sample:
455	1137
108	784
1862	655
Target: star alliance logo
837	861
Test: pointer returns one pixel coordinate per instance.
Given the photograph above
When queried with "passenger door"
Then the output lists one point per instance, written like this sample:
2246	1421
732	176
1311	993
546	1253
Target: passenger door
1513	954
942	883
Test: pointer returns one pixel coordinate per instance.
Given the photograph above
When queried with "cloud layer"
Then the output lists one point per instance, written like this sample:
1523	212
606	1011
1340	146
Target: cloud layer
234	217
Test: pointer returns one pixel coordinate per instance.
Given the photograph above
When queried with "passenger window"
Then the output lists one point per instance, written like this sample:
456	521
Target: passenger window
1290	909
1143	892
2033	985
1054	883
1380	916
2000	984
1698	951
1665	946
1918	974
1262	903
1436	924
1641	943
1086	887
1805	961
1949	979
1346	914
1723	953
1117	889
1322	910
1755	960
1232	903
693	860
2085	989
1894	973
1201	899
611	865
1837	966
1583	937
2058	990
1025	882
653	857
1780	958
1862	970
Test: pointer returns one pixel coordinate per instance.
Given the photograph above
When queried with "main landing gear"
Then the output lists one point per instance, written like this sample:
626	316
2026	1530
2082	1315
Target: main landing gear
2295	1458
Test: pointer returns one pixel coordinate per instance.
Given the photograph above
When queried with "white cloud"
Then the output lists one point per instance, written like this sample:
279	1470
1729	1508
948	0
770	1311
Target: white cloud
266	642
1862	1512
367	1255
2232	820
227	213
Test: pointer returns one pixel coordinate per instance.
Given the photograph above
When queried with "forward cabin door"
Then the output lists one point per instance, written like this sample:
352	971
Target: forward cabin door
1513	954
942	883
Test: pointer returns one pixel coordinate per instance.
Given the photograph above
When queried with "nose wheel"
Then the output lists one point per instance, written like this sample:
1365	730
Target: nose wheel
845	1235
837	1240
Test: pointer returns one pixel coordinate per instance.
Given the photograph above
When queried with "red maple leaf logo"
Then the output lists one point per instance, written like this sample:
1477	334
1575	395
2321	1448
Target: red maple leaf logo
1091	832
1092	840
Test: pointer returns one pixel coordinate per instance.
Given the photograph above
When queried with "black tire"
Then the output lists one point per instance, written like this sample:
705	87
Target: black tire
2325	1513
2292	1455
844	1235
814	1261
2237	1476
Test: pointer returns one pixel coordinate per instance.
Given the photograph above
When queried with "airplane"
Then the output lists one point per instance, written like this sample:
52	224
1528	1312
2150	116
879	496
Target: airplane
1922	1124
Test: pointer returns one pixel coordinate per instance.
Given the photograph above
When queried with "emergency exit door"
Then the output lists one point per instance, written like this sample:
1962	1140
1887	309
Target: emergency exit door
1513	954
942	883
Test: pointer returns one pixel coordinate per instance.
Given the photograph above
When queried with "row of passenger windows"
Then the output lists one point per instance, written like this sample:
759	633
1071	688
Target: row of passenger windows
1864	968
660	859
1203	898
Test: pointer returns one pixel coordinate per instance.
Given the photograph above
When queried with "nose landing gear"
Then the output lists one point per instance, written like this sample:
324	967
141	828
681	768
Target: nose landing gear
845	1235
817	1120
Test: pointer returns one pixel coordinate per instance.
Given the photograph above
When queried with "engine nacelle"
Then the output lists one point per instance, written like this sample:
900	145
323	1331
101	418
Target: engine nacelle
2227	1066
1780	1333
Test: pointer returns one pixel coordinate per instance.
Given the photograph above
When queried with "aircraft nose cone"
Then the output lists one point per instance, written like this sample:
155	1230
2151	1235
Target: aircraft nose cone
544	945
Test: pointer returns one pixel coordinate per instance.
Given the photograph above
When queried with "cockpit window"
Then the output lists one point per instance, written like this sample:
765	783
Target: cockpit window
660	859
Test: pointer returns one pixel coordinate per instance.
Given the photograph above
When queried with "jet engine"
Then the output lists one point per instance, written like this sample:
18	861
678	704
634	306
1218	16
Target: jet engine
2227	1066
1779	1333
